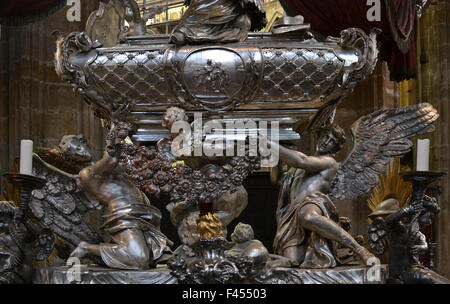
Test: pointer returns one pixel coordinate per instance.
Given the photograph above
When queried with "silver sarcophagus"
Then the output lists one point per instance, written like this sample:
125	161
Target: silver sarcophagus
271	77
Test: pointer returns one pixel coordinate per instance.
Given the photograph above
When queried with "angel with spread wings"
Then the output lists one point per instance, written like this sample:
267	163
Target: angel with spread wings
128	217
307	219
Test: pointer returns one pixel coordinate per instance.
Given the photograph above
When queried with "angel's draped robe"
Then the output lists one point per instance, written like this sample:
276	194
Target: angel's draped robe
211	20
122	214
319	252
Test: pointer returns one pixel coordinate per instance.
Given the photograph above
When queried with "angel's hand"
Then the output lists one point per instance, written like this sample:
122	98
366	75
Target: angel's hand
81	251
111	150
416	249
123	130
415	208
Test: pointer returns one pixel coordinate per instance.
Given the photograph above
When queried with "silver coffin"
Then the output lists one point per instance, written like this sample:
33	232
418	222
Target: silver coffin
269	77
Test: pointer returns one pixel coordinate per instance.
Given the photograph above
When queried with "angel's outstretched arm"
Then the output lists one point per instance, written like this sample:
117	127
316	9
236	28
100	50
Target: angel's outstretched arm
394	218
53	168
118	131
105	165
110	159
114	143
300	160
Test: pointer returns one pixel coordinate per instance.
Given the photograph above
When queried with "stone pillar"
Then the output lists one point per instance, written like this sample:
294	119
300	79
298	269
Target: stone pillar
3	100
36	104
435	83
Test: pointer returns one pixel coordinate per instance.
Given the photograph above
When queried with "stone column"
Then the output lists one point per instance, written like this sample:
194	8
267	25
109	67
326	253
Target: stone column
36	104
3	100
435	83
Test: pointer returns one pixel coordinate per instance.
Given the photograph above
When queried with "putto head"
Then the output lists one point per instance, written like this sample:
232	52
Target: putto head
242	233
431	209
172	115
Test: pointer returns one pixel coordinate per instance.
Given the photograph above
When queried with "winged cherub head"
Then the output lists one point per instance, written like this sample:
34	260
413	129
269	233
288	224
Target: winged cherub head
332	141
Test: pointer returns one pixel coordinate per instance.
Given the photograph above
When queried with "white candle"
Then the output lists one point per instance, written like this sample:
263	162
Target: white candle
26	157
423	155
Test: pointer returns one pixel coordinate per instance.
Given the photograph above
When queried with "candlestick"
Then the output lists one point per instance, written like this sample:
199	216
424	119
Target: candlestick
26	157
26	184
423	155
420	181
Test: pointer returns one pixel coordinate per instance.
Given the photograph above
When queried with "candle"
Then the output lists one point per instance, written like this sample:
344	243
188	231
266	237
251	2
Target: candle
26	157
423	155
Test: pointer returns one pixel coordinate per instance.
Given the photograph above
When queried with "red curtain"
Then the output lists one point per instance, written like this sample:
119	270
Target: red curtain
330	17
25	7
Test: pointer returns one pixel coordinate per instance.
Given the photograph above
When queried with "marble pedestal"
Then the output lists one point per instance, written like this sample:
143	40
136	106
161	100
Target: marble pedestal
101	275
161	275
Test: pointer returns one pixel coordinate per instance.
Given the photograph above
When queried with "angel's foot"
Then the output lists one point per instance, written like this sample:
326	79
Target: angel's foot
366	256
81	251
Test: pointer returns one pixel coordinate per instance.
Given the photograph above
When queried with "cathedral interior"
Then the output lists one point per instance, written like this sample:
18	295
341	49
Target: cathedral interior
37	104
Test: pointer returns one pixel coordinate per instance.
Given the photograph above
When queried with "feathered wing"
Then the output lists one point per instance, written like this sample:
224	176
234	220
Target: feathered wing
378	137
60	206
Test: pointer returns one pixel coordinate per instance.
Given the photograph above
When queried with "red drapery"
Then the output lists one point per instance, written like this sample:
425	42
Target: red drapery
330	17
25	7
19	12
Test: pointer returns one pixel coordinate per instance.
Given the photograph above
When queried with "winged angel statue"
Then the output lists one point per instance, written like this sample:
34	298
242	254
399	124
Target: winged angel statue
307	220
129	218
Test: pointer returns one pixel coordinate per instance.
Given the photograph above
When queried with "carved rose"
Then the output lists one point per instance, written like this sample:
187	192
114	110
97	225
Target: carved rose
197	175
185	186
236	179
147	174
211	186
160	178
198	187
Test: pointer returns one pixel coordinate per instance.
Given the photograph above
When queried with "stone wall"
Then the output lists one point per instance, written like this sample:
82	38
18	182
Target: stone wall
435	84
34	103
432	86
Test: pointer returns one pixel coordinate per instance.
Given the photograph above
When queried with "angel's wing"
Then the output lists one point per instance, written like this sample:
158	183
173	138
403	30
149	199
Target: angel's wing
60	206
378	137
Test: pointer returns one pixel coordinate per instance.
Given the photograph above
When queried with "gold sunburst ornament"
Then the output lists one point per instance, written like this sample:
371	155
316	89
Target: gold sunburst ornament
390	185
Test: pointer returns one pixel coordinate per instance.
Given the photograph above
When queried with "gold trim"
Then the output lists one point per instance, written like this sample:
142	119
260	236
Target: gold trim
209	226
391	184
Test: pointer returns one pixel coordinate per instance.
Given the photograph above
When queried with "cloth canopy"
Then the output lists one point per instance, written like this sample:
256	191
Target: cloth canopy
25	11
398	25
